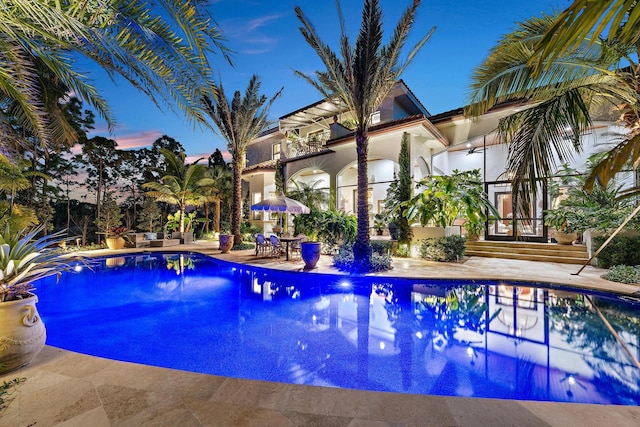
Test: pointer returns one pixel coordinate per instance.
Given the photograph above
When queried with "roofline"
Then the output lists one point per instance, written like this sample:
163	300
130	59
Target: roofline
404	122
451	114
415	98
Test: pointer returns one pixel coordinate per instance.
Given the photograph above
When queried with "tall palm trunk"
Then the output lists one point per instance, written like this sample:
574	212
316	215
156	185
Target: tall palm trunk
362	249
217	223
236	205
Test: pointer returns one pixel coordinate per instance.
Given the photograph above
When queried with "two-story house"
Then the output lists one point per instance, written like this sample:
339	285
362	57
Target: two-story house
316	145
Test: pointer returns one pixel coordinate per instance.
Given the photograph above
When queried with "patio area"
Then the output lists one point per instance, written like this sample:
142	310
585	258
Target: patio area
69	389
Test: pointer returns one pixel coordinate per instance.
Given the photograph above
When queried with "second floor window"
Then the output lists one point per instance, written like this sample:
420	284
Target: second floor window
375	118
275	151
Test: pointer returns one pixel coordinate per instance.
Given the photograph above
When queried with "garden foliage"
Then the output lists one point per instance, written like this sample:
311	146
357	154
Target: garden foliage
443	249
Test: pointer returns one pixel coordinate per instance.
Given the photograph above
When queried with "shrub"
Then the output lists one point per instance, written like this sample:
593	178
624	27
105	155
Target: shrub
443	249
382	247
243	246
623	274
622	250
248	231
344	261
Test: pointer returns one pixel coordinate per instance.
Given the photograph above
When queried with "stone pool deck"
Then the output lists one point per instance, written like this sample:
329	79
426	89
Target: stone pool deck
69	389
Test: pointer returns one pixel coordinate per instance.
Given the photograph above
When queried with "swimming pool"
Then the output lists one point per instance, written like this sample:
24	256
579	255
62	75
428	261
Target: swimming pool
439	337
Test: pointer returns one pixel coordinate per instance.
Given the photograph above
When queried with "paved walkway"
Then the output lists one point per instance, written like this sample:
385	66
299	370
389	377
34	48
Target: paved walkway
69	389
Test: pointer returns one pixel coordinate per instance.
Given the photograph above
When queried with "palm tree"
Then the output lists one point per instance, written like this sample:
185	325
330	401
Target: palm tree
160	47
587	21
220	188
309	194
361	79
181	185
561	97
239	123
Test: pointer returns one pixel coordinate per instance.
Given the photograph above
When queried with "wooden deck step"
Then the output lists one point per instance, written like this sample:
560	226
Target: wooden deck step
547	252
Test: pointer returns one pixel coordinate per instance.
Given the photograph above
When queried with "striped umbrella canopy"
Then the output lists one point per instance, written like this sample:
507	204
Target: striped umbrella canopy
281	204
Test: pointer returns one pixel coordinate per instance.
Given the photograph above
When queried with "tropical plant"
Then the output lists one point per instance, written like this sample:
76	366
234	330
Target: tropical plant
220	189
331	227
164	54
562	90
449	197
361	78
309	194
182	185
239	121
24	258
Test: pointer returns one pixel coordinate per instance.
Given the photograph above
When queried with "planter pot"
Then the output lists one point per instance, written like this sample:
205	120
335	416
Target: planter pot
226	243
151	236
22	333
310	253
115	242
564	238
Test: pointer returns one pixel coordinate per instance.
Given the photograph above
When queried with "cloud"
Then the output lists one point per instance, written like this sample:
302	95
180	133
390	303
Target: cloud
256	23
138	139
248	34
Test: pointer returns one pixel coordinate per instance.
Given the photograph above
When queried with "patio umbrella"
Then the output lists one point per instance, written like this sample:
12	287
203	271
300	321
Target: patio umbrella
281	204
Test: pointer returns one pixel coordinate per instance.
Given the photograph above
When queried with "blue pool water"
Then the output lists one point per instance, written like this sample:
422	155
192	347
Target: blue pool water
476	338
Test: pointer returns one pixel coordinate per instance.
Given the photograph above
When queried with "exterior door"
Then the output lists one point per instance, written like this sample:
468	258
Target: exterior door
512	225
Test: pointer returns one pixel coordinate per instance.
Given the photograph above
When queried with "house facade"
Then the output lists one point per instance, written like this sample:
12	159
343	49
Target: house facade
316	146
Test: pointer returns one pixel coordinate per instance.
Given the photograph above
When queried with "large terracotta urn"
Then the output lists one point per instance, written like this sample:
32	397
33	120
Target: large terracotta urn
115	242
226	243
310	253
22	333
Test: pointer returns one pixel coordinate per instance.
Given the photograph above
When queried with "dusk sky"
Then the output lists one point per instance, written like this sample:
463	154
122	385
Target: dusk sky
267	42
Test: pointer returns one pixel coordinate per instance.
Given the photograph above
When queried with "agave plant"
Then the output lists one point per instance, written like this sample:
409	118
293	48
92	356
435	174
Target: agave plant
26	258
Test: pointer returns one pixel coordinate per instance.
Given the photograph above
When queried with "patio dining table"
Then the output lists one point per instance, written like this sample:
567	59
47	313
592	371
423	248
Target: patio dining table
288	240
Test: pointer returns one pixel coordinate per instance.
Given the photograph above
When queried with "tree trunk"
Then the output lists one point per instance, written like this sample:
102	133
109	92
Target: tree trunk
182	208
236	204
217	223
361	248
206	218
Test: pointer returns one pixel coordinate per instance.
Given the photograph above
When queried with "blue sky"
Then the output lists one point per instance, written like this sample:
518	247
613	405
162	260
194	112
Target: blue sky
267	42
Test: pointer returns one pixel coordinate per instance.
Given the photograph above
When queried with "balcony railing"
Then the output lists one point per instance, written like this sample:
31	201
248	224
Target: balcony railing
298	146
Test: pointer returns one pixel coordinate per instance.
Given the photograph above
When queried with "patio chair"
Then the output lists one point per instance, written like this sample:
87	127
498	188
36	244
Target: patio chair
276	246
262	245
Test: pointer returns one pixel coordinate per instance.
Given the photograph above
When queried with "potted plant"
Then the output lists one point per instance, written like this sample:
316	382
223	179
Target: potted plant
23	260
560	221
115	237
474	229
379	223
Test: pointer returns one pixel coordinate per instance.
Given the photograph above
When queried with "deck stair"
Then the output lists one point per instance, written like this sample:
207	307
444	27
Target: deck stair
547	252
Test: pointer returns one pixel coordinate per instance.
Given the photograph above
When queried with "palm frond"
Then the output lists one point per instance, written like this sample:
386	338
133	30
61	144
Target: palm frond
625	152
589	20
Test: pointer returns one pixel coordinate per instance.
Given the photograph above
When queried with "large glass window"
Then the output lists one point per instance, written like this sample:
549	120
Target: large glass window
512	224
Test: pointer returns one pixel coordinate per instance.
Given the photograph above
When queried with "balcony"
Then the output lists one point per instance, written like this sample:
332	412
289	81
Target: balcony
295	146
